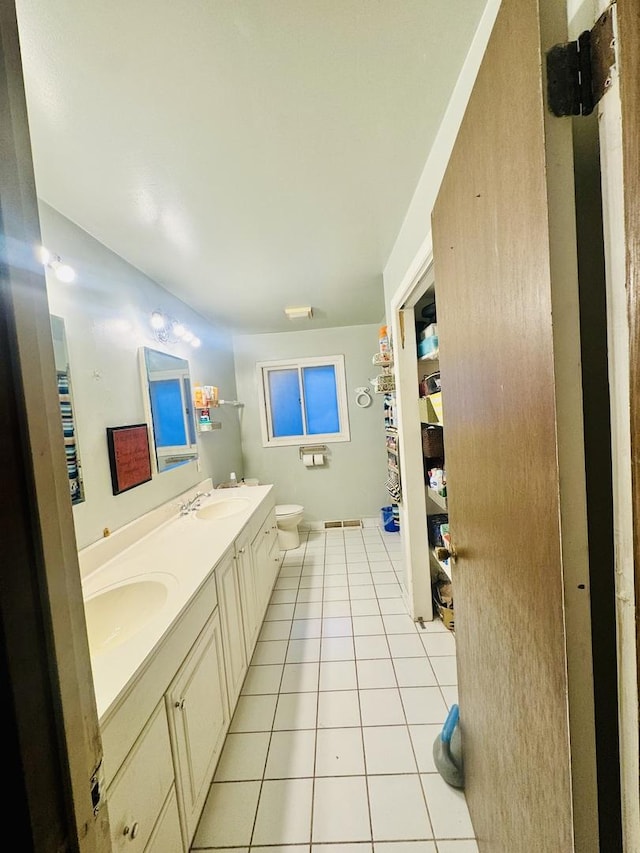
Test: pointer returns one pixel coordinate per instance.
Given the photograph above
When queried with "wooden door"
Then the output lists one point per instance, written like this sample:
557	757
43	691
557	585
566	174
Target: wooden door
54	747
504	248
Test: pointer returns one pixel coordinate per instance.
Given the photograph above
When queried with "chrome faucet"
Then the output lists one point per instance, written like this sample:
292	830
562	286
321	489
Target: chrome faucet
190	505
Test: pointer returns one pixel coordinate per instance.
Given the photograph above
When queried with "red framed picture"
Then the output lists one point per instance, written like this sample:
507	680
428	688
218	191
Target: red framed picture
128	456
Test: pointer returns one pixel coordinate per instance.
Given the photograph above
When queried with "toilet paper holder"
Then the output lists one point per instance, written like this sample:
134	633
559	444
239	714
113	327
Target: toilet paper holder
312	449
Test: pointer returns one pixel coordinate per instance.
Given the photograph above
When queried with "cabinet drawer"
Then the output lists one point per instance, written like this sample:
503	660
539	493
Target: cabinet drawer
166	837
137	794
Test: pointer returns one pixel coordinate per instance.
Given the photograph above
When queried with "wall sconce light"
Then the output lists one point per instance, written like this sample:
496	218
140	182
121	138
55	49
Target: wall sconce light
302	313
166	330
63	272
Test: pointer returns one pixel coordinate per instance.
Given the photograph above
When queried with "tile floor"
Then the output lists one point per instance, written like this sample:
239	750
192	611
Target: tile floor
330	746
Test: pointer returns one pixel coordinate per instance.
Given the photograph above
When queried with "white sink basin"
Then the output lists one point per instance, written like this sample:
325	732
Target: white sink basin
222	508
115	614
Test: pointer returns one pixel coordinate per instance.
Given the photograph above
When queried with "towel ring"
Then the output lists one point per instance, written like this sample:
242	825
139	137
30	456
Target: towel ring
363	398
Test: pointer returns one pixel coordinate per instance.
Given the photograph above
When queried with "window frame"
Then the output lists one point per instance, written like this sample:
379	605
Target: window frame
262	371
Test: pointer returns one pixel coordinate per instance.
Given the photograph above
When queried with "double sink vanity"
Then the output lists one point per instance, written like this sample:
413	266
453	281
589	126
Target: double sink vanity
174	602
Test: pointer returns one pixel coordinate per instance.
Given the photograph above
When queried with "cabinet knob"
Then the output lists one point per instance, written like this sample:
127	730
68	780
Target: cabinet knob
241	551
131	831
179	704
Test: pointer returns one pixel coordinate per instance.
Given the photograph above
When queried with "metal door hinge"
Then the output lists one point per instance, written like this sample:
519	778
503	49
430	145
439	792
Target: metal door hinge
96	784
580	72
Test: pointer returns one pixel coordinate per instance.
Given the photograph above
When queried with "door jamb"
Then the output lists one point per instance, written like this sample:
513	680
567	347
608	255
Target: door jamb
413	508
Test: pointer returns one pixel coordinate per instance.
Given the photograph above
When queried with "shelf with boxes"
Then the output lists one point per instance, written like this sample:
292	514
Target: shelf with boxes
432	421
205	398
430	398
428	344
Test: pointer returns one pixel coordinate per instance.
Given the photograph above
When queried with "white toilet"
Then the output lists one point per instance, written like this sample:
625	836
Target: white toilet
288	517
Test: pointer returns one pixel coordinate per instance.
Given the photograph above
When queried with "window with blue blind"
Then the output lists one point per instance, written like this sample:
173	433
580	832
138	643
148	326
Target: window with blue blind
302	400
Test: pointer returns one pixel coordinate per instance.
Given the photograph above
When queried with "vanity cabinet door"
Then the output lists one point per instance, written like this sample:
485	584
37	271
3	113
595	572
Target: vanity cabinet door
167	837
235	658
248	594
140	789
259	561
273	555
198	714
263	549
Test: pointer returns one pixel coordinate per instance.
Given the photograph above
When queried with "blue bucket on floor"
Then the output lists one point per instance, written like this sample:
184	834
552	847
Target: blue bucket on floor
389	523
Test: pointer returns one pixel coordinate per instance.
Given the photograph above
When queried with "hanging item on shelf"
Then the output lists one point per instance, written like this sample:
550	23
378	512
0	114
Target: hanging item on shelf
389	413
205	396
393	487
384	383
382	359
383	340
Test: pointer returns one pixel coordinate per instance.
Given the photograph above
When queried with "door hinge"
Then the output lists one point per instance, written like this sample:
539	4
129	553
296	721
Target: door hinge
96	784
580	72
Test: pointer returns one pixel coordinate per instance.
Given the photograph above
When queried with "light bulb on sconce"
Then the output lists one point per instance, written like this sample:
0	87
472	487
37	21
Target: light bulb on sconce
167	330
157	321
63	272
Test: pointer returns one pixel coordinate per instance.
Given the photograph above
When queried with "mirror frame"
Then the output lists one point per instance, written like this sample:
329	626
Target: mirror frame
173	456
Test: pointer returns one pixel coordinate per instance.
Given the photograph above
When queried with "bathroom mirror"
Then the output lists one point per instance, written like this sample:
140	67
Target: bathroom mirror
167	385
63	378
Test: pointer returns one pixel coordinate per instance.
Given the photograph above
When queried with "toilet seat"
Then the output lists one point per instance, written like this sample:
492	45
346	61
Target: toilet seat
285	510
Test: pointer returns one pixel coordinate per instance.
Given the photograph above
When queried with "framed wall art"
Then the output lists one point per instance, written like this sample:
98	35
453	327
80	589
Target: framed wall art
128	456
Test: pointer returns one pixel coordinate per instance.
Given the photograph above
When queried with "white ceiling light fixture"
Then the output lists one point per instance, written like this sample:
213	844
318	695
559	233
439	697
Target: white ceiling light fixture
300	313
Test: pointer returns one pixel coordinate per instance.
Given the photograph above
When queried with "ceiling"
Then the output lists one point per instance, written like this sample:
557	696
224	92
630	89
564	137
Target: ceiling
245	154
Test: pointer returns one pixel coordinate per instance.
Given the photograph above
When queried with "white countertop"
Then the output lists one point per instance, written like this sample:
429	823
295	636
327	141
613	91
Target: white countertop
180	553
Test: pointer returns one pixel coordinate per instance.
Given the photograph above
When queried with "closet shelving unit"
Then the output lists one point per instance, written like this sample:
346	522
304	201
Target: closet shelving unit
430	408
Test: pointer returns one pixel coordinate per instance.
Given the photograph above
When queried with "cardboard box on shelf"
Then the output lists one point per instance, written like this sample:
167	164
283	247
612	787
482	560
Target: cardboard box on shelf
447	616
443	601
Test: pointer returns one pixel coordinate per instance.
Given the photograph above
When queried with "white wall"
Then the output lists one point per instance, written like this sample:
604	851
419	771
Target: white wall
106	313
352	484
414	239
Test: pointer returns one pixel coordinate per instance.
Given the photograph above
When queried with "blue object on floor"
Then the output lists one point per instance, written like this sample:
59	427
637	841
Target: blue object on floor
447	750
389	523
